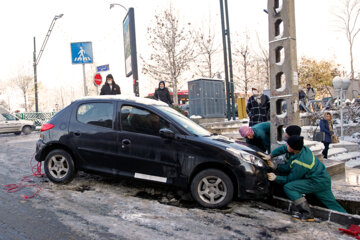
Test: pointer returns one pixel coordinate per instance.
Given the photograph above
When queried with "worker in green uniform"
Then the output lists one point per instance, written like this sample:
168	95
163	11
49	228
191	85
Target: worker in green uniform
257	135
282	168
306	175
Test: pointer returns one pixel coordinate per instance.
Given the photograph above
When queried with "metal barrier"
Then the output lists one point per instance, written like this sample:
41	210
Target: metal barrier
37	117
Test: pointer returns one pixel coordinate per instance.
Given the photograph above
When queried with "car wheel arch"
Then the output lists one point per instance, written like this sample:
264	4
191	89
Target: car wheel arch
54	146
214	165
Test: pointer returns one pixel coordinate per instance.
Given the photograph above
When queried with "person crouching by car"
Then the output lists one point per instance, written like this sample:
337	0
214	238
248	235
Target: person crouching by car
292	130
257	135
306	175
110	87
326	126
162	94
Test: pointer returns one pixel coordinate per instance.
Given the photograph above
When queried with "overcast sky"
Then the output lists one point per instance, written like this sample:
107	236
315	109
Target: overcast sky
92	20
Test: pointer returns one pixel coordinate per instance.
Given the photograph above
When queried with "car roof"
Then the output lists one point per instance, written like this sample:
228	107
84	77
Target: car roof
128	98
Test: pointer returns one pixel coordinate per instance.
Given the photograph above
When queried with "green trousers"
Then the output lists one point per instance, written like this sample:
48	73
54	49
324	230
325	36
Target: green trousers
322	191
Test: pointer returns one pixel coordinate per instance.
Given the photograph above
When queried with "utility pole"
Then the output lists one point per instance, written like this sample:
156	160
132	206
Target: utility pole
37	59
283	68
229	84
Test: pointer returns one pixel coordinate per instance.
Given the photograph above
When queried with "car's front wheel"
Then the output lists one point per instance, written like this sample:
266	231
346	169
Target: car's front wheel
212	188
59	166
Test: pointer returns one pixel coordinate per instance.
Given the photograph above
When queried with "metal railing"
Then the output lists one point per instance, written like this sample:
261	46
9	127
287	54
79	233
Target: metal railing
37	117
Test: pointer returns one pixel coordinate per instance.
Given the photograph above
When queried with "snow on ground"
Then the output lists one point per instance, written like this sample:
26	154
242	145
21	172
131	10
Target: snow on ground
353	163
118	208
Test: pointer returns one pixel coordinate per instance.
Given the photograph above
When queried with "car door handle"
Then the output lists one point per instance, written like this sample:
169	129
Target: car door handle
77	134
125	142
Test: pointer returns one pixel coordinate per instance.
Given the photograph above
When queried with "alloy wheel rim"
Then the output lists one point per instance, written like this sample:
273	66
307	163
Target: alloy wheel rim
212	189
58	166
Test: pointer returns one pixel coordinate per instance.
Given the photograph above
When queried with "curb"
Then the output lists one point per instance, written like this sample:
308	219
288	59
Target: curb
345	219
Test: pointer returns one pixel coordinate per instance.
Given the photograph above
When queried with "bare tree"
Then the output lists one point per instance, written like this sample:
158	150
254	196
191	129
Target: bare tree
347	16
173	49
206	49
263	64
24	83
245	63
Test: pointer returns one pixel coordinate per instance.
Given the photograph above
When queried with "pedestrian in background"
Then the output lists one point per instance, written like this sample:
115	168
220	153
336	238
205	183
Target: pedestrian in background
302	99
258	108
110	87
163	94
310	95
257	135
326	126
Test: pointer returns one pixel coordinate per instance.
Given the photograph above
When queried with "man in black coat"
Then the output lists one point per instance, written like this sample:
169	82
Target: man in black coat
110	87
162	94
258	108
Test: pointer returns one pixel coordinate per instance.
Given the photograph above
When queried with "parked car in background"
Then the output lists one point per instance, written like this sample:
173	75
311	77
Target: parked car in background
146	139
11	124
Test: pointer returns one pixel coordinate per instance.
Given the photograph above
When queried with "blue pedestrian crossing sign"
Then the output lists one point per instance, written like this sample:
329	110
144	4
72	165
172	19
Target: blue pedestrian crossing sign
81	52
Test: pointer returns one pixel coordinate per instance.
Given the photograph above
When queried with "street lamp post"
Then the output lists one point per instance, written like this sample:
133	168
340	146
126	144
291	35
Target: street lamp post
118	4
341	85
37	59
130	38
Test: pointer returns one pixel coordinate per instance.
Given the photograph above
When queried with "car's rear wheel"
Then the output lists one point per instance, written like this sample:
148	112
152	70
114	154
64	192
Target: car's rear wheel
59	166
212	188
26	130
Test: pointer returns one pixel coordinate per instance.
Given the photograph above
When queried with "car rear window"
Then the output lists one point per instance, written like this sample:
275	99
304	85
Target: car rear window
99	114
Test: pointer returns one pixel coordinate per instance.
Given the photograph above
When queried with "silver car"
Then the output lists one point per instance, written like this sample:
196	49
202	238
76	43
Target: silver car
11	124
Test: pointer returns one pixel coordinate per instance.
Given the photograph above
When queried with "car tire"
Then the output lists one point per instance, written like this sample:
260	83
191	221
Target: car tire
26	130
59	166
17	133
212	188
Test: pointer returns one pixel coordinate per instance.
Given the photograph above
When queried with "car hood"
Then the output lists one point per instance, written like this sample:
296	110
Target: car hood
225	142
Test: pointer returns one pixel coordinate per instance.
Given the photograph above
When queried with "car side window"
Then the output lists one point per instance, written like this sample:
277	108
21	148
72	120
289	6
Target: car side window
2	118
8	117
99	114
139	120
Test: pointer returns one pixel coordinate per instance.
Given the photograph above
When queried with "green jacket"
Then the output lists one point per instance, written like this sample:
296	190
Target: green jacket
261	136
304	165
283	168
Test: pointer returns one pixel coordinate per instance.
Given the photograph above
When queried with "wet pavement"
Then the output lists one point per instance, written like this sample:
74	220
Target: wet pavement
96	207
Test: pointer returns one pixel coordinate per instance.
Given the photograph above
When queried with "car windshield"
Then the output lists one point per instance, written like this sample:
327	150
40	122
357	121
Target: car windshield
185	122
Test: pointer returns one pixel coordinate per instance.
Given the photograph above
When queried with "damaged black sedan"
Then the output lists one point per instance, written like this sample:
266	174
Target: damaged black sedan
146	139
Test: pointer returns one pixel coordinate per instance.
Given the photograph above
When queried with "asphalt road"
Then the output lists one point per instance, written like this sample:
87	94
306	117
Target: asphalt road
96	207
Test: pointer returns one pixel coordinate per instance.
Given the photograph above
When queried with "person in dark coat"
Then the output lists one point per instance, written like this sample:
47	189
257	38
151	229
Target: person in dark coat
302	99
326	126
162	94
110	87
258	108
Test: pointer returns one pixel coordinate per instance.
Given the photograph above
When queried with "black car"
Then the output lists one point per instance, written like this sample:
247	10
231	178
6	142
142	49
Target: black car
146	139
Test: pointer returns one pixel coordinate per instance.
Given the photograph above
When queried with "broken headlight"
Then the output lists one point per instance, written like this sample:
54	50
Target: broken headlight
247	157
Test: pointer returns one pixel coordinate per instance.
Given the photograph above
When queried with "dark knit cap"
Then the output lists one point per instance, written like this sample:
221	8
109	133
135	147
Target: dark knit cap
109	76
293	130
296	142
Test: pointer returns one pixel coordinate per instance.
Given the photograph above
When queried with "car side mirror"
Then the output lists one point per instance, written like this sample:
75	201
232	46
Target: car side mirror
167	133
17	119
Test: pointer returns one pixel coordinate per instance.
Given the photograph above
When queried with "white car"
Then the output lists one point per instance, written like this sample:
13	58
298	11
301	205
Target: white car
11	124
